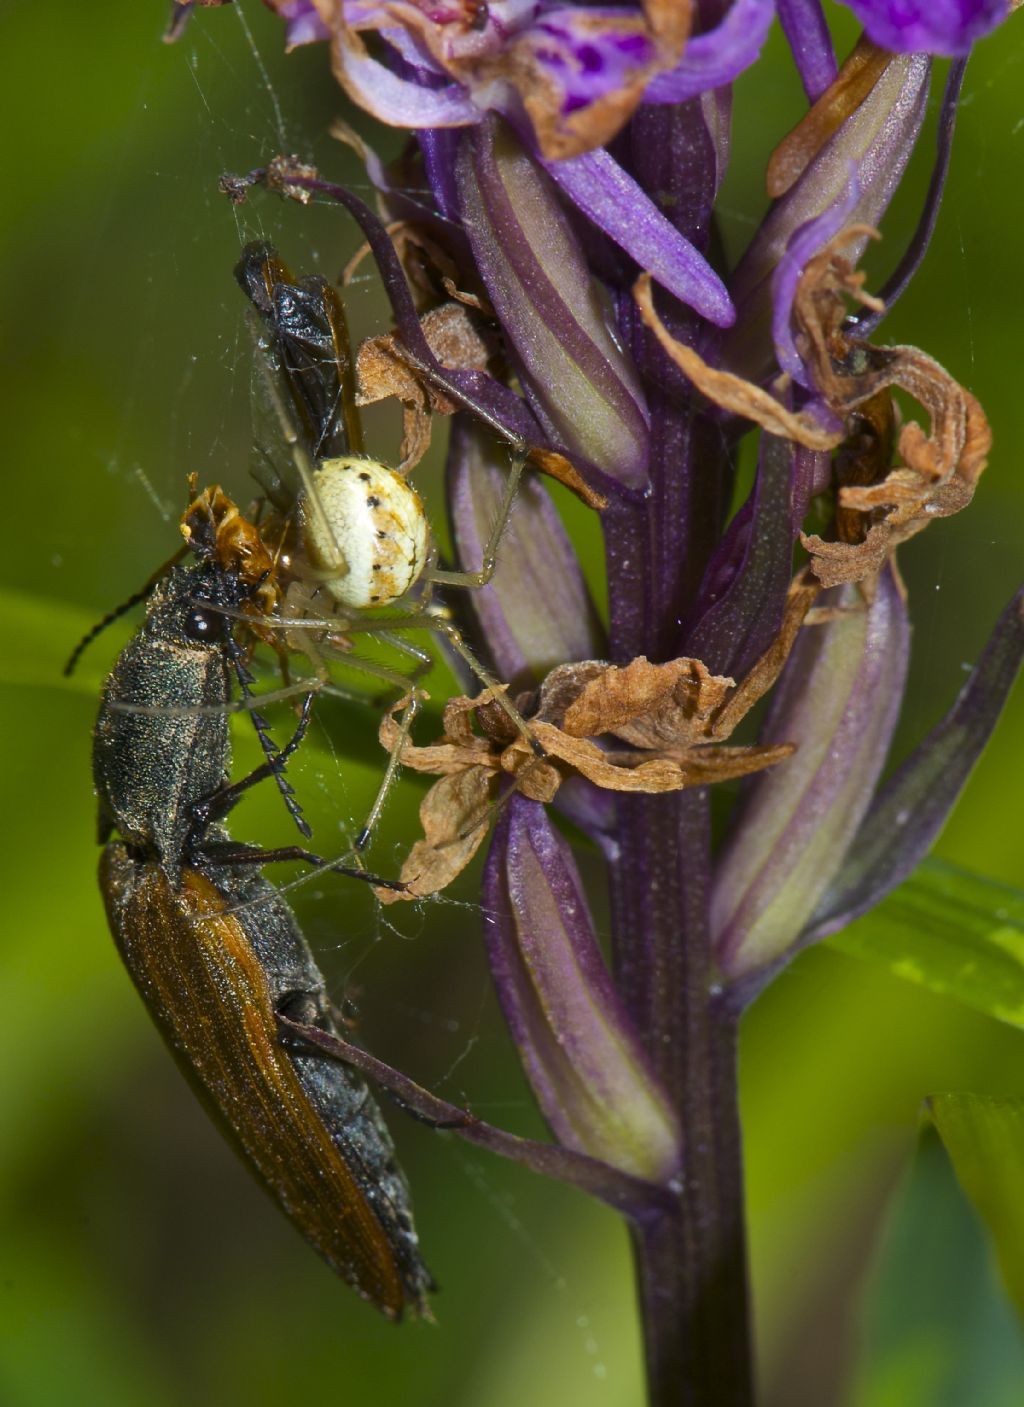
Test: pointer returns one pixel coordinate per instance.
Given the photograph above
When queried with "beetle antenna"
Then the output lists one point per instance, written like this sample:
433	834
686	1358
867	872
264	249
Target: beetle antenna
143	594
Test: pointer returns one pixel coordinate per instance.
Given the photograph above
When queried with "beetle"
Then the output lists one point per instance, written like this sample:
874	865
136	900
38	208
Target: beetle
218	956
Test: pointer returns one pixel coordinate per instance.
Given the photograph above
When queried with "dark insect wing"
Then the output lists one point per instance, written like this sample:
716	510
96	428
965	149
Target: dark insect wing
310	326
216	953
303	373
215	997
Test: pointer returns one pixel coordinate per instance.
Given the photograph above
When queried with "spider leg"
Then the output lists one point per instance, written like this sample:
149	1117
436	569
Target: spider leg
390	776
489	560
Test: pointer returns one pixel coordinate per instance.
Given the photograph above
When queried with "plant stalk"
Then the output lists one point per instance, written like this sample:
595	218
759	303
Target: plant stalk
691	1266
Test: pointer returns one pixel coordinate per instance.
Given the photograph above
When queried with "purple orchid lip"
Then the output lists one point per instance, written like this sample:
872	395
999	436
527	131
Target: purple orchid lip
563	70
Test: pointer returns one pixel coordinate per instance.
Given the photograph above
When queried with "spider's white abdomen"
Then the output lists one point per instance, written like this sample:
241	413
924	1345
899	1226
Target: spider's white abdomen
367	526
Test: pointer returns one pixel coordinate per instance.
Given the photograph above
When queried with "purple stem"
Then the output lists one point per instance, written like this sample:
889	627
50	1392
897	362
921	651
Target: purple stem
659	552
691	1267
644	1202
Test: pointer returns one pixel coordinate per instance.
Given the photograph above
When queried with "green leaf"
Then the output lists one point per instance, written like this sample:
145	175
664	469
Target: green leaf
953	932
41	634
936	1330
984	1137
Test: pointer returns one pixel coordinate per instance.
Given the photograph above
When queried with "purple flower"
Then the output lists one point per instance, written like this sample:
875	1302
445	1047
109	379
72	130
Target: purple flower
576	73
569	163
928	26
304	25
567	77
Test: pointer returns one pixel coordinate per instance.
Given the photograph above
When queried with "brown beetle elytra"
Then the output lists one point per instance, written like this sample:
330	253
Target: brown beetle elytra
216	953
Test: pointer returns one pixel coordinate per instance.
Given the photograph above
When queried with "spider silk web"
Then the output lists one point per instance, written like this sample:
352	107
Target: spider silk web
151	334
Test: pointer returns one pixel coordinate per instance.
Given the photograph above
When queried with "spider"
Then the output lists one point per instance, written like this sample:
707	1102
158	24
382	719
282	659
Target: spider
348	536
345	535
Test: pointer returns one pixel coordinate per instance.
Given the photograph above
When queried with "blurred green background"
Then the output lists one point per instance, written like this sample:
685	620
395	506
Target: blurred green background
137	1261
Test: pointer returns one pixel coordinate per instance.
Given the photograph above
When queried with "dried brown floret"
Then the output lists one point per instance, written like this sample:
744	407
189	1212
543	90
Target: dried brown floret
732	392
673	719
878	507
939	470
383	370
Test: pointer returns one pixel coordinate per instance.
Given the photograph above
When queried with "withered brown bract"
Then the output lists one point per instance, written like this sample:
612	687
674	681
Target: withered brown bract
216	953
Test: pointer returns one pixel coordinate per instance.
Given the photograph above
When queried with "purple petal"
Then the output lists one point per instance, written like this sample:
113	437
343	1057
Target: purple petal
803	244
303	23
581	1054
598	185
838	700
398	101
536	611
550	308
946	27
581	51
806	31
912	807
744	593
877	139
711	60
